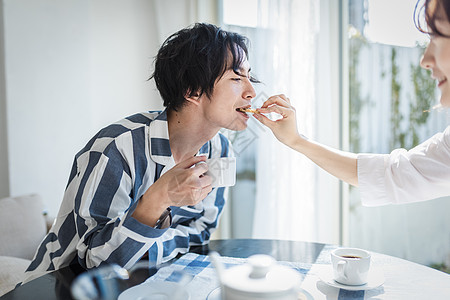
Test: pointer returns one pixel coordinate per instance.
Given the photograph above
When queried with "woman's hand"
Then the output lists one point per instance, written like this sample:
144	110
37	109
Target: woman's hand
284	129
341	164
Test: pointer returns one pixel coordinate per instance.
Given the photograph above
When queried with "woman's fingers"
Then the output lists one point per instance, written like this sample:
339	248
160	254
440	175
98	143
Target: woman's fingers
281	100
264	120
285	98
284	111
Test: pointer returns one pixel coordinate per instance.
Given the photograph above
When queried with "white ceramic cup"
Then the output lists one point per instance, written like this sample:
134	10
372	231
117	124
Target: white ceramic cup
222	171
350	265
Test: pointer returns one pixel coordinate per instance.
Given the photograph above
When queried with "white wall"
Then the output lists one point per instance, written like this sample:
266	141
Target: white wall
4	178
72	67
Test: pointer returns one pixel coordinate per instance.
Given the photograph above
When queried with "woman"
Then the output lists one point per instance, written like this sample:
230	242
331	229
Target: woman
421	173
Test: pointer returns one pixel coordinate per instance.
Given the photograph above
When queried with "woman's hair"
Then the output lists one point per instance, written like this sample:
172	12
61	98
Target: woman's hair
430	9
191	60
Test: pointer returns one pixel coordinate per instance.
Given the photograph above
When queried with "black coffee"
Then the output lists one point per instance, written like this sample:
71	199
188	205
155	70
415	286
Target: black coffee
351	256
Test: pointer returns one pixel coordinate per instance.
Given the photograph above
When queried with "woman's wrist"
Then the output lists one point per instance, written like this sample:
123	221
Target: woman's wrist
299	143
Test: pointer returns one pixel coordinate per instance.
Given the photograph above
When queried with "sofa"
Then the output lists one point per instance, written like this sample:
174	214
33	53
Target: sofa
23	225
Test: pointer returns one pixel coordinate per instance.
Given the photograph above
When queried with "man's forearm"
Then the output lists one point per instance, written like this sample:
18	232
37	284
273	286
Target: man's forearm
150	207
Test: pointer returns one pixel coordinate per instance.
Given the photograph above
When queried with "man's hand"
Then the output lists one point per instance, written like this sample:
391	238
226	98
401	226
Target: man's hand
184	184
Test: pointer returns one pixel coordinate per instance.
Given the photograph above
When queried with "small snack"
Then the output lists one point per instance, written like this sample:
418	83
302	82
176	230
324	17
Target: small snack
249	110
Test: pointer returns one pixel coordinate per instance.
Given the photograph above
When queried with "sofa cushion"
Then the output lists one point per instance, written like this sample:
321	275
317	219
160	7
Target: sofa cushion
22	225
12	270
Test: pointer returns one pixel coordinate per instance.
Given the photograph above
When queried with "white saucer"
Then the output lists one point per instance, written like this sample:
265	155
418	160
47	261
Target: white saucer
154	290
215	295
374	280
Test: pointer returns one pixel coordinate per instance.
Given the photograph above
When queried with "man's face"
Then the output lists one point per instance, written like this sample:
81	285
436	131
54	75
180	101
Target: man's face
230	92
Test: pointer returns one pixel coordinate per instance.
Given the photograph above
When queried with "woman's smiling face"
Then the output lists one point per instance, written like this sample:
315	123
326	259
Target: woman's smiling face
437	55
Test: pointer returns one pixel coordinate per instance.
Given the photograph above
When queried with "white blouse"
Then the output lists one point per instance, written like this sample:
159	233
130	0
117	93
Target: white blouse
422	173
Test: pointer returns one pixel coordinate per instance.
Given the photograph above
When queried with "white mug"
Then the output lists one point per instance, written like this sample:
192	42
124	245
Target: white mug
222	171
350	265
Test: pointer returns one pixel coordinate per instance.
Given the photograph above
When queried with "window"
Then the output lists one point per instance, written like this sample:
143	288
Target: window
391	106
278	192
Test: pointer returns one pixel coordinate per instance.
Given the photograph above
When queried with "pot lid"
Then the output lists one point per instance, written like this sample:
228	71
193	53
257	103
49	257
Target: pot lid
261	275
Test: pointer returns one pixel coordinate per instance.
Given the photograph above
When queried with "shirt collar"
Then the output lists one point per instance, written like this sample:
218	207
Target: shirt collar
159	145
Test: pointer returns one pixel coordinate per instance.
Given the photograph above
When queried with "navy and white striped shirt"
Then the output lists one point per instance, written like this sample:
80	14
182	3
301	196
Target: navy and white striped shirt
94	225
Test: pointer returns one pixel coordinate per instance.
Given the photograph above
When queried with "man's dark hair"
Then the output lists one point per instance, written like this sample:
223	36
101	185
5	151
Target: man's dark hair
192	59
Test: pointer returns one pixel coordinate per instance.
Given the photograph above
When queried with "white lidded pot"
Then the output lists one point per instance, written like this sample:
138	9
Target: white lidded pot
261	277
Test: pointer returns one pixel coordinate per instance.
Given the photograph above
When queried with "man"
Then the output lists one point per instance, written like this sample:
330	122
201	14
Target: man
138	187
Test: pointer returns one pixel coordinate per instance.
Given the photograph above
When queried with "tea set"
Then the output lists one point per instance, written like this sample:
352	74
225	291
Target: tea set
262	277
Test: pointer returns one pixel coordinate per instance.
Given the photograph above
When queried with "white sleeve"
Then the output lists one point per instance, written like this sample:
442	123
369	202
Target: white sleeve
420	174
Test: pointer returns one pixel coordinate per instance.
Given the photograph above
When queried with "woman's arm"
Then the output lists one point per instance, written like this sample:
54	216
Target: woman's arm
341	164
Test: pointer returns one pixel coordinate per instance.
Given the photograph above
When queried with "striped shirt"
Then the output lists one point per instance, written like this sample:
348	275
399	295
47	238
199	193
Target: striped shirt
94	225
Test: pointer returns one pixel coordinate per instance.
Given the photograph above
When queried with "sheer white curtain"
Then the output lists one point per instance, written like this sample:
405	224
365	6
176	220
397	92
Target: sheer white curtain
285	54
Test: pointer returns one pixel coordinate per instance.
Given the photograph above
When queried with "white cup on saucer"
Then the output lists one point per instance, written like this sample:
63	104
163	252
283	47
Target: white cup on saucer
222	171
350	265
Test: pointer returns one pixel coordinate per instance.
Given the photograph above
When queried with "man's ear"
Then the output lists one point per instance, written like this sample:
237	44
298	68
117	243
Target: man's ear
194	98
